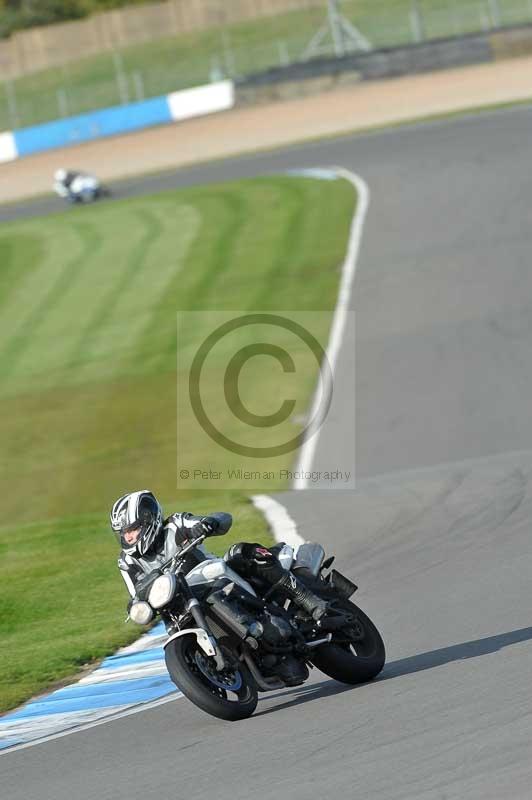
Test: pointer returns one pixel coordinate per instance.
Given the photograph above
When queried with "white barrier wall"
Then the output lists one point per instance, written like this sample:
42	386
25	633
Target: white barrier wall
201	100
8	150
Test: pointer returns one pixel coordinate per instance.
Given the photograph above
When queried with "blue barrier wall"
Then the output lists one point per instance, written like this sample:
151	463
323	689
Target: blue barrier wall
177	106
105	122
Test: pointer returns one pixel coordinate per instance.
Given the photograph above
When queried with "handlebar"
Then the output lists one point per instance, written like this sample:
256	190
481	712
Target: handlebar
173	562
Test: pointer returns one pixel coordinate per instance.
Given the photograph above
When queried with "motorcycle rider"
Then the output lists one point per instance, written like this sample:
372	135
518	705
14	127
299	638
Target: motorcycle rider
63	179
148	541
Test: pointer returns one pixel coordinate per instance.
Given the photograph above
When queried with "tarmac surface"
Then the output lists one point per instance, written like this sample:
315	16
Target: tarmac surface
437	533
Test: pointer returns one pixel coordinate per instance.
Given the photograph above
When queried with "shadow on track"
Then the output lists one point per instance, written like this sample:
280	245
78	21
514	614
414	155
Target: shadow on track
406	666
455	652
304	694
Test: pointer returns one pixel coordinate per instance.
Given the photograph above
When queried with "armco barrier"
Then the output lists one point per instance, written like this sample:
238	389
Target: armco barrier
308	77
118	119
376	64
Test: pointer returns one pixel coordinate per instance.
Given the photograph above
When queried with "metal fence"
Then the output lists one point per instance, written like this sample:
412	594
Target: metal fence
123	75
50	46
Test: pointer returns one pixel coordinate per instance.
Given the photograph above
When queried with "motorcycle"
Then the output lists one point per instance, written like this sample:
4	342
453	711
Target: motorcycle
84	188
231	637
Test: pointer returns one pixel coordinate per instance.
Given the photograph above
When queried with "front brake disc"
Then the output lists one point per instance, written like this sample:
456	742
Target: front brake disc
230	680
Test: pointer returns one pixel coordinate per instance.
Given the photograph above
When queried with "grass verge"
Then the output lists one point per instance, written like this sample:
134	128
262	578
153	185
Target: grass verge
88	304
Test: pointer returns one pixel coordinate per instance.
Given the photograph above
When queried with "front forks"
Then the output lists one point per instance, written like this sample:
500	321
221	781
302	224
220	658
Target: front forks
193	607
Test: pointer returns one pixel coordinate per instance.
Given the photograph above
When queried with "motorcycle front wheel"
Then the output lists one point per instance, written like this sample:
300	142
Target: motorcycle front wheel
356	653
229	695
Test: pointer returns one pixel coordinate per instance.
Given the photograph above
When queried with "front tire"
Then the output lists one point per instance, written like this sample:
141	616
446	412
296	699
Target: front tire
231	696
357	662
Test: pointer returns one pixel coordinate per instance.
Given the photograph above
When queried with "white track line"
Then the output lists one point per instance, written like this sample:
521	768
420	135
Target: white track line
306	454
283	527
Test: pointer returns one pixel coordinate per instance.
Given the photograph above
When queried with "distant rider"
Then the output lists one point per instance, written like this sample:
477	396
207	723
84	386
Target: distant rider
63	179
148	541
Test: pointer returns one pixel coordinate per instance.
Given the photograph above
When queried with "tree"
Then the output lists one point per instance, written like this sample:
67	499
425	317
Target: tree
15	14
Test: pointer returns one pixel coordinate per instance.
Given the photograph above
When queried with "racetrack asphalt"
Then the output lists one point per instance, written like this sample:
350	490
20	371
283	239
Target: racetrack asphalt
437	533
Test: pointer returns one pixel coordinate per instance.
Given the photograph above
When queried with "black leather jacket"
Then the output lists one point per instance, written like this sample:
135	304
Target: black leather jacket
175	532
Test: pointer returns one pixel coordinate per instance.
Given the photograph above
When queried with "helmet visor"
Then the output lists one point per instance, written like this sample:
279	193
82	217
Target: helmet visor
134	533
131	534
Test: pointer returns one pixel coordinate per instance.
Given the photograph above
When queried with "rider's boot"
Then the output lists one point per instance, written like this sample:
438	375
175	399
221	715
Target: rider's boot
254	559
301	596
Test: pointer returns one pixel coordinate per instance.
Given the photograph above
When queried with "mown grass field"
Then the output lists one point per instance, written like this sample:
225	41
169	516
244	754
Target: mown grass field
236	50
88	336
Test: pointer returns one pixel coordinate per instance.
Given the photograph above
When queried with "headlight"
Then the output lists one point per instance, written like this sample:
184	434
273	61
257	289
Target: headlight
162	591
140	612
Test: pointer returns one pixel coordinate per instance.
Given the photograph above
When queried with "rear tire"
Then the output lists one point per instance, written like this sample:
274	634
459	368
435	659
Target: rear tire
189	668
358	662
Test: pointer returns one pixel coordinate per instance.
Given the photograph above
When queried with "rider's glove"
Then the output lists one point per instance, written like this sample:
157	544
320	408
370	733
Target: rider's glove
207	526
144	585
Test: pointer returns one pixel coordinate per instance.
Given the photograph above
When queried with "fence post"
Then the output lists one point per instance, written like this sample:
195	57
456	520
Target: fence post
216	72
121	80
484	17
12	108
138	83
284	55
336	28
495	12
62	102
229	56
416	22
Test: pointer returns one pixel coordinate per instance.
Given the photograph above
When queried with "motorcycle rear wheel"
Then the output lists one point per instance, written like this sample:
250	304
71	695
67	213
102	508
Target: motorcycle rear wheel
357	662
194	674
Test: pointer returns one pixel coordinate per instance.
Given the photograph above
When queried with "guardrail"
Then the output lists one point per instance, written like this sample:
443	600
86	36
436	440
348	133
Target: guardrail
318	74
104	122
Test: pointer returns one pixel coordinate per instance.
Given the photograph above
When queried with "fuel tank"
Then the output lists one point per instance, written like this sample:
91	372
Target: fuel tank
213	569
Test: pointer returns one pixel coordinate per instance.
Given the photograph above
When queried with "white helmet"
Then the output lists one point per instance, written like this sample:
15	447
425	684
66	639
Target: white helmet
60	175
140	513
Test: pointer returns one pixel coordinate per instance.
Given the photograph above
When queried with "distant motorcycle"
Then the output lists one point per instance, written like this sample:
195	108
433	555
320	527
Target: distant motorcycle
79	187
231	637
